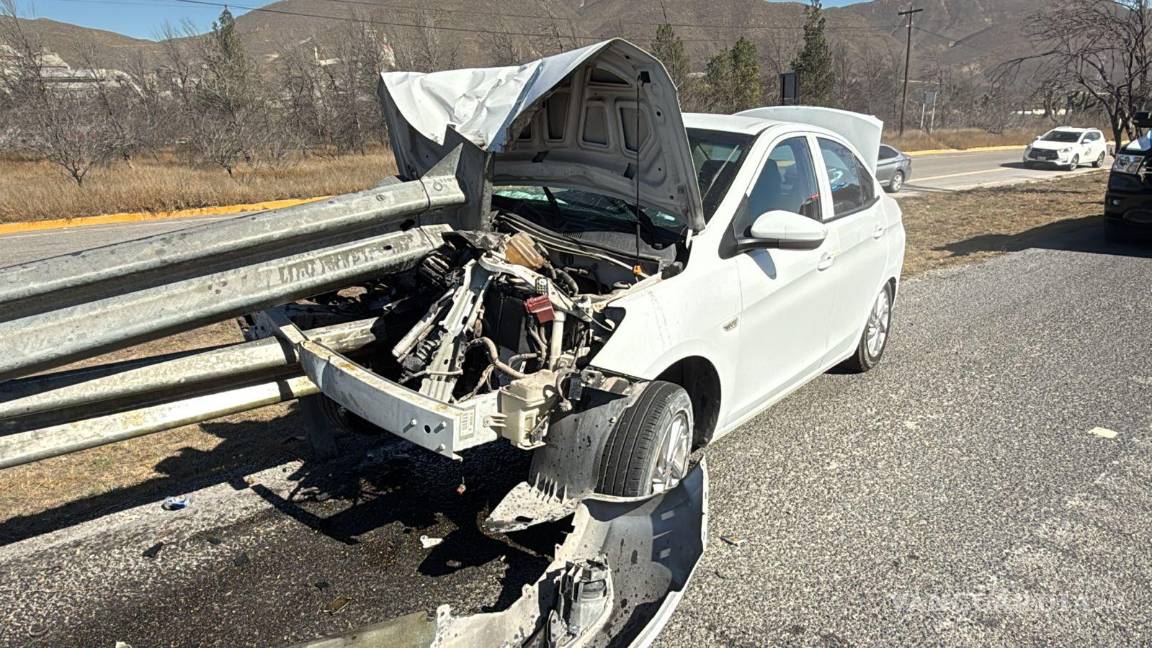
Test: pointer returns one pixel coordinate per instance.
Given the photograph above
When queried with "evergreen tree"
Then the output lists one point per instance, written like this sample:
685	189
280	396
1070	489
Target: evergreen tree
813	64
670	50
733	78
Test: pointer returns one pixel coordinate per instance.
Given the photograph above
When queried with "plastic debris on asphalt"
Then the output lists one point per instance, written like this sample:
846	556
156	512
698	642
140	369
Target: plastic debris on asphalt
734	541
154	550
1103	433
175	503
428	542
337	604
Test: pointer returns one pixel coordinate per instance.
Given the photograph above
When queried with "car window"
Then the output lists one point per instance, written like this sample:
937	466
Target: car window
787	182
716	156
1061	136
852	185
888	153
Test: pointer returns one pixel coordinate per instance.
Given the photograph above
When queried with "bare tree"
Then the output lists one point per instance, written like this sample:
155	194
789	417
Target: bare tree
57	121
1099	47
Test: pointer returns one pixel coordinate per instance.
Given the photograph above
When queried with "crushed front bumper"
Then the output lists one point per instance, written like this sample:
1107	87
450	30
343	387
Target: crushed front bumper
615	580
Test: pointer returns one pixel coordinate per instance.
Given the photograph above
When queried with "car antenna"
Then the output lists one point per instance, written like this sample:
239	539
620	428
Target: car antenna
641	80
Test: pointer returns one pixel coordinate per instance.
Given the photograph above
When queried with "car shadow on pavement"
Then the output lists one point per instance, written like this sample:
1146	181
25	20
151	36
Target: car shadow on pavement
1082	234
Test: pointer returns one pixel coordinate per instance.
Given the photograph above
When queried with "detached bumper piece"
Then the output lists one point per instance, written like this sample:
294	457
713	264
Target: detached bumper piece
615	580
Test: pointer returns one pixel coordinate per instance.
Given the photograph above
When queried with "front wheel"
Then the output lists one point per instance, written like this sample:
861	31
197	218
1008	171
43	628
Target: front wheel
647	453
874	340
1099	161
1074	164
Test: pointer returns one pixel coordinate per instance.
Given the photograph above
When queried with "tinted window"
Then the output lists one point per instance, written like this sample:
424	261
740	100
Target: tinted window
852	186
787	182
888	153
1061	136
717	157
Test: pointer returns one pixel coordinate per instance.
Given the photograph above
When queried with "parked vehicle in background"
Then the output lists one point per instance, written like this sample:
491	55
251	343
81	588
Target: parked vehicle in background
1068	148
1128	203
893	169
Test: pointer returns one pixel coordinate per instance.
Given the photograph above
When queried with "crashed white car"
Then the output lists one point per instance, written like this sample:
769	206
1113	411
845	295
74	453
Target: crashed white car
564	262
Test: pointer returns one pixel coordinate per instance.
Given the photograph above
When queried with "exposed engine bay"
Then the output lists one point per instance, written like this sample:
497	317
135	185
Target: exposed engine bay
496	318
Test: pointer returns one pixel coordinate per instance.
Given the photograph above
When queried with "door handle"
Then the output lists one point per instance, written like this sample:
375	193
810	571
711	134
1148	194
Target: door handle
826	261
879	231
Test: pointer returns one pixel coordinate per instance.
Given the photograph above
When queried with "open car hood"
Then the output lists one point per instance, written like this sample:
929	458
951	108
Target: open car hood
568	120
862	131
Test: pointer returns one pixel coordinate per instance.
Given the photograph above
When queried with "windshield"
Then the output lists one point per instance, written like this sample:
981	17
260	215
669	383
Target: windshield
1061	136
716	156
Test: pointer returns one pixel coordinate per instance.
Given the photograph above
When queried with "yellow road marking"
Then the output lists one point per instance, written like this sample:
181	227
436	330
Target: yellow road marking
138	217
978	149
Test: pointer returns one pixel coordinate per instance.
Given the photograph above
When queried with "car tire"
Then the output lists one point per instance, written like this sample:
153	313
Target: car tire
648	451
896	183
1074	164
1099	161
874	339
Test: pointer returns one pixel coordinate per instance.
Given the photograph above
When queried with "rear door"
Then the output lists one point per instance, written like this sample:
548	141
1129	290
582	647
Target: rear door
888	163
856	221
786	295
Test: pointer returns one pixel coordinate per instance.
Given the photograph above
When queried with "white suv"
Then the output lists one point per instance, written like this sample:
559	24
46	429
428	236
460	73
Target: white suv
1068	148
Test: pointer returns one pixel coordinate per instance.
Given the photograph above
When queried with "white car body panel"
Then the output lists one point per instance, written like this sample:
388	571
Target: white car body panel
787	321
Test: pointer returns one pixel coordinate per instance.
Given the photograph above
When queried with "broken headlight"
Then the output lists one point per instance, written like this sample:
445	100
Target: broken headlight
1127	163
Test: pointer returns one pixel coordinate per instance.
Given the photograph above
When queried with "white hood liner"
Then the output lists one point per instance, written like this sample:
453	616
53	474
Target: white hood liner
565	121
861	131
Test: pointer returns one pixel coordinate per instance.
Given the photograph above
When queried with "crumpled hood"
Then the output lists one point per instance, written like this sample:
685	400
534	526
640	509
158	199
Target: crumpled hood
568	120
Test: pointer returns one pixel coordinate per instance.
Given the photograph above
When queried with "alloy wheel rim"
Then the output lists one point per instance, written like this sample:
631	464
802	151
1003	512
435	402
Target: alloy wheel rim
878	323
897	182
672	461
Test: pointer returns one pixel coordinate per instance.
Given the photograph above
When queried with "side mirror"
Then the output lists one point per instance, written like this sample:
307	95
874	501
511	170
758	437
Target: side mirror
783	229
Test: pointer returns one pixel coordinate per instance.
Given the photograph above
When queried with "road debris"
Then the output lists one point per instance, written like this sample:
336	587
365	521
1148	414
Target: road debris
241	559
733	540
428	542
154	550
454	564
1103	433
176	503
337	604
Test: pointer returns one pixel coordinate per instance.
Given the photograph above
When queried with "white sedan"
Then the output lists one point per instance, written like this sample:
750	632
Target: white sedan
1068	148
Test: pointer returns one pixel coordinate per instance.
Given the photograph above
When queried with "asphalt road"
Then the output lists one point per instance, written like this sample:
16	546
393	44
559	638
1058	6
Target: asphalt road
955	496
957	171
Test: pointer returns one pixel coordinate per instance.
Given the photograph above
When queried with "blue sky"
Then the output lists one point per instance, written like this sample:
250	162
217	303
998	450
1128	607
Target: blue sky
143	18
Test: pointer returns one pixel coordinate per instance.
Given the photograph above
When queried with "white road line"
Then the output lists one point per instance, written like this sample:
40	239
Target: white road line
957	175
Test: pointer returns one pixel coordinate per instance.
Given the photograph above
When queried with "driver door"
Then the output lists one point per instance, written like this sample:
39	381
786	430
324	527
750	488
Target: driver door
786	295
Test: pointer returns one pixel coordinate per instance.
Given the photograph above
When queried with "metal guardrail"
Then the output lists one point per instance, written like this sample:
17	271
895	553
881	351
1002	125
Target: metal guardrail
58	310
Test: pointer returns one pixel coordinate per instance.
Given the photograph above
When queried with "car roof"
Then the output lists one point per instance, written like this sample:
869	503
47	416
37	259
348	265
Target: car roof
729	123
1072	129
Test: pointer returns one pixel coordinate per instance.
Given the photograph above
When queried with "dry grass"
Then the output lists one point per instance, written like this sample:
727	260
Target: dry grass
31	190
943	230
961	138
955	228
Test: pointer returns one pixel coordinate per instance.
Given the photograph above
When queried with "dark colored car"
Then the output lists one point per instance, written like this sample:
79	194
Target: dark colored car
1128	203
894	169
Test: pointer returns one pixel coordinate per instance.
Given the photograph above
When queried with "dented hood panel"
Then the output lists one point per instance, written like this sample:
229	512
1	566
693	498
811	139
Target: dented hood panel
568	120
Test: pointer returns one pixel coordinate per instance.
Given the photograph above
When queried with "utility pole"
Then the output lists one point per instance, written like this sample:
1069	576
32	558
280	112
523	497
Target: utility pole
907	61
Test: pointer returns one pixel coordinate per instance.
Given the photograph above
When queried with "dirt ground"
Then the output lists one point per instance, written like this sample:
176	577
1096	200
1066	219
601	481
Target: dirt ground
944	230
36	190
